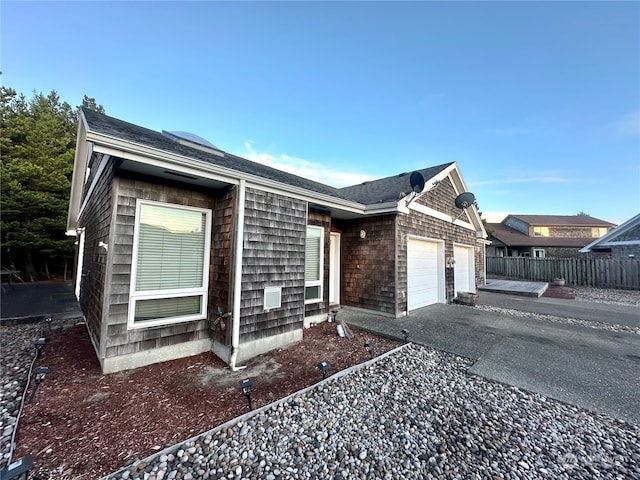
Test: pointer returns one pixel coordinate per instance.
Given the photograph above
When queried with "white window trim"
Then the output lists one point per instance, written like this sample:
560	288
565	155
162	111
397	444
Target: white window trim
316	283
169	293
535	250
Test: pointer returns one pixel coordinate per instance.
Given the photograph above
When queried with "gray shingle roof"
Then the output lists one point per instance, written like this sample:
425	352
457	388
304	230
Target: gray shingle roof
373	192
387	189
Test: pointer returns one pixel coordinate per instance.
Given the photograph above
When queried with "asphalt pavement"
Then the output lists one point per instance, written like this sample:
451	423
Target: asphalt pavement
20	302
593	368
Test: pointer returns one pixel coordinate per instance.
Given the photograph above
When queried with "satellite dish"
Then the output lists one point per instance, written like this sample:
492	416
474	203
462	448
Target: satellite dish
417	182
465	200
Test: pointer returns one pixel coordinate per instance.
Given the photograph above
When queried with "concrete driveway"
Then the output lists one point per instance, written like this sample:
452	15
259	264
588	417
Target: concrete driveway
596	369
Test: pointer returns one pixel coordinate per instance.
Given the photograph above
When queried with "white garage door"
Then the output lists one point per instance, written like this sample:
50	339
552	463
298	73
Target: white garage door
423	274
463	269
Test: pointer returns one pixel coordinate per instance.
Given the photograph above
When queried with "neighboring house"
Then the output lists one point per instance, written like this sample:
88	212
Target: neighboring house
173	232
621	243
543	236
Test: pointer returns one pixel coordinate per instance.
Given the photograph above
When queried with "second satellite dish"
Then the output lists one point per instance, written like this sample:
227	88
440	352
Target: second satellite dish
417	182
465	200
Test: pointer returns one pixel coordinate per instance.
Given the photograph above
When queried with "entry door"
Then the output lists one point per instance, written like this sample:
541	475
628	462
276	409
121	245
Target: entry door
464	271
334	269
425	284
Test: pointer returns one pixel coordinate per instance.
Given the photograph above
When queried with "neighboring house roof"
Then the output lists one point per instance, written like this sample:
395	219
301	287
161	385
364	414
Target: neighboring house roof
513	238
563	220
387	189
627	233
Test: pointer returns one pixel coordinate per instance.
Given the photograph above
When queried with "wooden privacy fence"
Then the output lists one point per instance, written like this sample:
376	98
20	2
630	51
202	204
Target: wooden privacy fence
591	272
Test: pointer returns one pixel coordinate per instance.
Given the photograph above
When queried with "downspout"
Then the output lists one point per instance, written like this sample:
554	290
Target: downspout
237	280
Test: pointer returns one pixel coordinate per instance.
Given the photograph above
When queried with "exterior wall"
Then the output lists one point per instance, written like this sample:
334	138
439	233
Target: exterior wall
369	264
560	252
480	262
625	252
631	235
274	251
441	199
117	339
569	232
622	252
221	267
320	219
96	220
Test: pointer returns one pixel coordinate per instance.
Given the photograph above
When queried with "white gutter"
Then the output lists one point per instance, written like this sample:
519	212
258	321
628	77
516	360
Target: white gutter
237	280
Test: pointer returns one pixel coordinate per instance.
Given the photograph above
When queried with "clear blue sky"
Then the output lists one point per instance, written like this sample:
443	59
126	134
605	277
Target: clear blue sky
539	103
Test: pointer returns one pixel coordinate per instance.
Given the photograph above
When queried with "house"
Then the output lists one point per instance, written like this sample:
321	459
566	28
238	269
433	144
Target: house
620	243
543	236
183	248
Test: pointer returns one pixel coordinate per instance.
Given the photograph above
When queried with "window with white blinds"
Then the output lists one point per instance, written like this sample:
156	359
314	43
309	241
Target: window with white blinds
313	264
170	264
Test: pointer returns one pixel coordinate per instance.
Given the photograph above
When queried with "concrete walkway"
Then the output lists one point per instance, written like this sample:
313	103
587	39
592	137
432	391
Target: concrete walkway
591	368
515	287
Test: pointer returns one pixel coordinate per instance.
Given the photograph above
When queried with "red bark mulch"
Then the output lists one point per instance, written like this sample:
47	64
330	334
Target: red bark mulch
86	424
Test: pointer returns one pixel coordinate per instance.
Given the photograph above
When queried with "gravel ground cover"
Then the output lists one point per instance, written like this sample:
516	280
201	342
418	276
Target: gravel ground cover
17	352
414	414
585	294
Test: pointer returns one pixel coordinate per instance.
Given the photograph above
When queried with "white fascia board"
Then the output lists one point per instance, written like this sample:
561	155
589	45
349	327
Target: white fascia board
191	170
417	207
182	164
94	182
77	180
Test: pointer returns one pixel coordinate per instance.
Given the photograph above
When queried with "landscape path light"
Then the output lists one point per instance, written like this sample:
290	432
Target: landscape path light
246	390
41	373
369	347
405	334
18	469
324	368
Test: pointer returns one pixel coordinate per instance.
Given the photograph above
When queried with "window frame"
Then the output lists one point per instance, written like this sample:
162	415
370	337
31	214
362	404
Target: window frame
539	250
320	281
202	290
541	231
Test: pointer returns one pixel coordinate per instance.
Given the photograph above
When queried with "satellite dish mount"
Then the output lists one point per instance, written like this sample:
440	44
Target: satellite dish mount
417	182
464	201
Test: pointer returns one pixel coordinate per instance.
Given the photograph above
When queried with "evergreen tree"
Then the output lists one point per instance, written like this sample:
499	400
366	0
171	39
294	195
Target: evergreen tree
37	142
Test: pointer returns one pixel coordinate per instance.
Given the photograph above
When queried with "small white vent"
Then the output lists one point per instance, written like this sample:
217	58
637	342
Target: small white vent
272	297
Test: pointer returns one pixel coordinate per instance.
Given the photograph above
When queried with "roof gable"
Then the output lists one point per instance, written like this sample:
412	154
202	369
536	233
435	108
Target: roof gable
627	232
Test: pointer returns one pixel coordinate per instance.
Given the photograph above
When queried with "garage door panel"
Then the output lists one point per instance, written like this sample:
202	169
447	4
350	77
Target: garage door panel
423	278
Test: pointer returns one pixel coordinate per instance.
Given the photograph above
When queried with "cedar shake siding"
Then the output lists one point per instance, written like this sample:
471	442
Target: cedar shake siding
221	266
368	264
273	256
96	220
120	340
